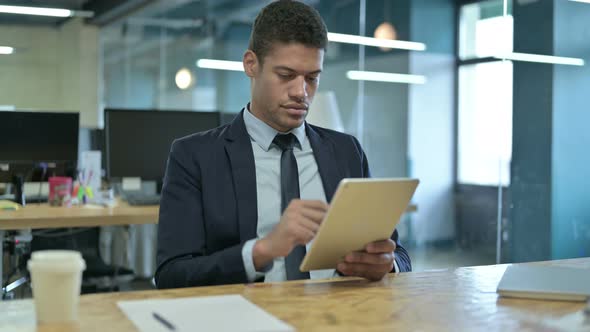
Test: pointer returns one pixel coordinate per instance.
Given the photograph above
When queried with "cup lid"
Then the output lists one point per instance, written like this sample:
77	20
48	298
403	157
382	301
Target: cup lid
57	260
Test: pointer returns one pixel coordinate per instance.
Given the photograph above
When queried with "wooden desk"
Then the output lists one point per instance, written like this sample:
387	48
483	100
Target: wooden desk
45	216
462	299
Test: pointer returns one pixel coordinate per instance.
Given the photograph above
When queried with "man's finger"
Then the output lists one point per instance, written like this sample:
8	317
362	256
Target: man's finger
365	258
315	205
303	235
375	276
363	270
314	215
380	246
309	224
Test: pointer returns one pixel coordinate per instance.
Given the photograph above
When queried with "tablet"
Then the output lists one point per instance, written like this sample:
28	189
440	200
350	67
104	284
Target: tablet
362	211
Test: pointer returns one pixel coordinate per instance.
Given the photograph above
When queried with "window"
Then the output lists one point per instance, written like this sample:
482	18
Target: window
484	141
485	123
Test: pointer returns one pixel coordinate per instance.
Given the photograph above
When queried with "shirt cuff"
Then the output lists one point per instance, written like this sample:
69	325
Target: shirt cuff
248	259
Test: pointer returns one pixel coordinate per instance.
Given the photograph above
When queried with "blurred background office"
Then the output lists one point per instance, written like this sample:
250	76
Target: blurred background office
486	102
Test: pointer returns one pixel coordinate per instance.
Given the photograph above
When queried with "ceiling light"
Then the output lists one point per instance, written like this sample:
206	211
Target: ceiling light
220	64
385	31
6	50
184	78
36	11
385	77
42	11
369	41
529	57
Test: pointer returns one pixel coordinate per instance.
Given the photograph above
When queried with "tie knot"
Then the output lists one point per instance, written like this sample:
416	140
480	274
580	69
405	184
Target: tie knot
285	142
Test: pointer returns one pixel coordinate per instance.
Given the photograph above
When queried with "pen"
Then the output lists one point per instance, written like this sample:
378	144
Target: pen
163	321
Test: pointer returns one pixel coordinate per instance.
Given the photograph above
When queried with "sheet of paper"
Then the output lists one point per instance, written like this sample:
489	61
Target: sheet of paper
211	313
131	184
17	315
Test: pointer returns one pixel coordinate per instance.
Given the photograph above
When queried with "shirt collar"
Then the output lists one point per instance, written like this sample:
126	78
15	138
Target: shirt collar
263	134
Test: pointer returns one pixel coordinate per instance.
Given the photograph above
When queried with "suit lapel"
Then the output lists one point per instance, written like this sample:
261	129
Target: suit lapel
241	157
325	157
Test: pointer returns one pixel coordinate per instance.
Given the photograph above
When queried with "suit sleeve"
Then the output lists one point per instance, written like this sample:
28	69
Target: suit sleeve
182	256
402	258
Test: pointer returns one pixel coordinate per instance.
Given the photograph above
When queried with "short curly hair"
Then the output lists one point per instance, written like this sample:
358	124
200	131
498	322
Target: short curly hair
287	21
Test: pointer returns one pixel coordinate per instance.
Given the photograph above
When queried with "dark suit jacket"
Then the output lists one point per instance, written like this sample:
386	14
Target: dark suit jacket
208	208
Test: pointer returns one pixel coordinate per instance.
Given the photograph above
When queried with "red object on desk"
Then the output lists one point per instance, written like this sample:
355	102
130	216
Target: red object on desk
60	190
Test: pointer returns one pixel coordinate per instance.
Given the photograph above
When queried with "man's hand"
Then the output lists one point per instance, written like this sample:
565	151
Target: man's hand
298	225
373	263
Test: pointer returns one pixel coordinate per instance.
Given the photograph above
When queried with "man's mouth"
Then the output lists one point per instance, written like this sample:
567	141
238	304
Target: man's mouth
296	110
296	106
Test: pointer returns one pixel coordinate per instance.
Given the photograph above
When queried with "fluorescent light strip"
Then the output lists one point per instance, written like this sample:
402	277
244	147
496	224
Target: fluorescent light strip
529	57
369	41
352	74
56	12
6	50
220	64
583	1
385	77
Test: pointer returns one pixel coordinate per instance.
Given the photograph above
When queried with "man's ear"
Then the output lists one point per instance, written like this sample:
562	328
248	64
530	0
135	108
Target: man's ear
251	64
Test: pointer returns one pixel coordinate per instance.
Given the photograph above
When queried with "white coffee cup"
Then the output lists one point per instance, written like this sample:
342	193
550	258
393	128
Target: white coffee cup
56	276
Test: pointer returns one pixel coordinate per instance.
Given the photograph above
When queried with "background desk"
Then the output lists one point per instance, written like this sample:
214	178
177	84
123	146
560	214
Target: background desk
45	216
462	299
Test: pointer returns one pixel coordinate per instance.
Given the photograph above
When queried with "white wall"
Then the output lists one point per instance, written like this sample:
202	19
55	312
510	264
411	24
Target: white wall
431	147
53	69
29	78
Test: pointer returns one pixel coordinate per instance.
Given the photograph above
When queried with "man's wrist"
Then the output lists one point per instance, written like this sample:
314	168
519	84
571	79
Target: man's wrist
261	254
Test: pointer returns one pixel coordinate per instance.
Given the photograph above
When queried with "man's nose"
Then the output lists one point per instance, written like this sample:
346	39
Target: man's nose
299	89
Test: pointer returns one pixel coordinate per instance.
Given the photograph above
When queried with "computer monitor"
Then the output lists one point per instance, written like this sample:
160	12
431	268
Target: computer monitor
138	141
36	145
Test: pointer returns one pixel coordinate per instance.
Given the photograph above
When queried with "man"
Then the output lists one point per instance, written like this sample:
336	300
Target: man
241	201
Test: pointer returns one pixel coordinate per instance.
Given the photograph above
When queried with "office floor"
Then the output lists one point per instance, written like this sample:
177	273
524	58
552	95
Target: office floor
426	258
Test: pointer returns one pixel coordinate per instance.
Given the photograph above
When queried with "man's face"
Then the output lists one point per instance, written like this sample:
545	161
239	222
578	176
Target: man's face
283	86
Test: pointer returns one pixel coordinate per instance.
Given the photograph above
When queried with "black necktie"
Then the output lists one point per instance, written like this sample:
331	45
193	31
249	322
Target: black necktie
289	191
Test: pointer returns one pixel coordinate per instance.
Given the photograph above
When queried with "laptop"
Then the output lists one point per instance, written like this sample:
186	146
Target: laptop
545	282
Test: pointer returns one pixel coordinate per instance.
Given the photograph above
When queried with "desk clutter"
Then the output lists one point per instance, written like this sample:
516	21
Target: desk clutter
6	205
